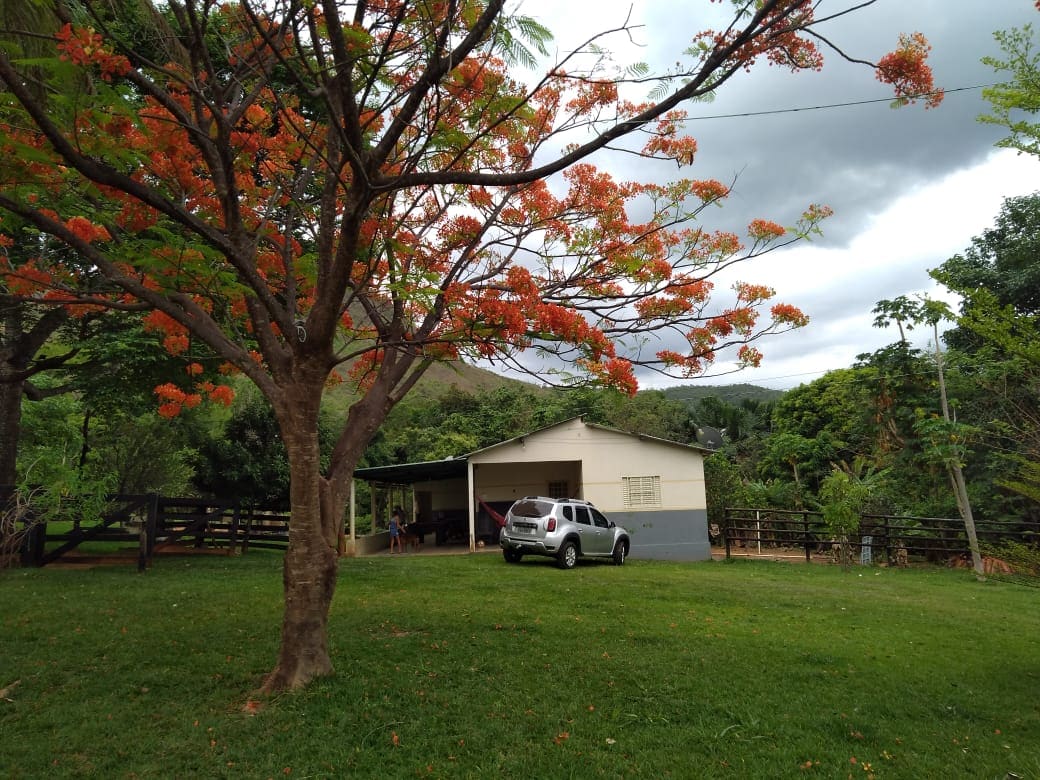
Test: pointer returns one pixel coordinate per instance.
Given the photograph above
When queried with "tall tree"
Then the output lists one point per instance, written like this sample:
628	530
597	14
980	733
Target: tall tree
947	437
363	187
27	30
998	277
47	342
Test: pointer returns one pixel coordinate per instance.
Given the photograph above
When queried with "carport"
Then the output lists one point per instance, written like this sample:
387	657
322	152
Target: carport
456	500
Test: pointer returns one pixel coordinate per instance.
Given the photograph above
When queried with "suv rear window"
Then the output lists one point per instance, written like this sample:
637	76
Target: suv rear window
530	508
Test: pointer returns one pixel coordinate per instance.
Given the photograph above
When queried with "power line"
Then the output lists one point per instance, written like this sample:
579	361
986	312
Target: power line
834	105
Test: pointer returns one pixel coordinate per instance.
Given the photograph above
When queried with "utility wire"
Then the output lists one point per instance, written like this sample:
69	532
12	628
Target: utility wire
835	105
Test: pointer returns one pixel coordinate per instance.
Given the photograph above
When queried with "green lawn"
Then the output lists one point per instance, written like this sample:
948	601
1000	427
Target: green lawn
468	667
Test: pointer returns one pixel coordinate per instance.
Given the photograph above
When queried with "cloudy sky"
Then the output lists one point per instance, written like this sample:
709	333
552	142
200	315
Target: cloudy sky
909	187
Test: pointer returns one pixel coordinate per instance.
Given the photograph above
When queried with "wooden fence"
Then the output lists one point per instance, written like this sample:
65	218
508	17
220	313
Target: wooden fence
880	538
151	524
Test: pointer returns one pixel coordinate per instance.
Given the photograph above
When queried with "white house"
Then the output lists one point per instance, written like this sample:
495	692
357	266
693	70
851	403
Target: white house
653	487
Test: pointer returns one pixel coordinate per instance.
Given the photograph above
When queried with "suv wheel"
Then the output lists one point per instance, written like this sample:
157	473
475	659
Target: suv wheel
512	556
620	551
567	556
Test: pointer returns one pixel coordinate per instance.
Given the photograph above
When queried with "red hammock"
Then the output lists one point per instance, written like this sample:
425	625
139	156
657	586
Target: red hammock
499	519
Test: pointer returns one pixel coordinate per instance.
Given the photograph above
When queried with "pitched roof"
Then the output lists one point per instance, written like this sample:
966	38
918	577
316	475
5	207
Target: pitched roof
454	468
595	426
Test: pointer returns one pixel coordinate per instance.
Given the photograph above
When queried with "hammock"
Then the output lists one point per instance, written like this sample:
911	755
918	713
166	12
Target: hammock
499	519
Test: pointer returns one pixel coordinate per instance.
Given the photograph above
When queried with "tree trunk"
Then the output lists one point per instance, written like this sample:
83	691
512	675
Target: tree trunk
960	490
11	389
309	572
317	510
10	430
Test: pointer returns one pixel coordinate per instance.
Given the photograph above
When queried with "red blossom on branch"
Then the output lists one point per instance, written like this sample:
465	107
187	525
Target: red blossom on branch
906	69
82	46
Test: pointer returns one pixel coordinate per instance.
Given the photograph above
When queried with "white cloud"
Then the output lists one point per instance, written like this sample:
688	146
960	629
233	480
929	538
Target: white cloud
838	286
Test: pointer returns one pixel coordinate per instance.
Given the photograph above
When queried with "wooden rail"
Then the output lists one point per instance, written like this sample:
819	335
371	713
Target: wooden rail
152	522
883	537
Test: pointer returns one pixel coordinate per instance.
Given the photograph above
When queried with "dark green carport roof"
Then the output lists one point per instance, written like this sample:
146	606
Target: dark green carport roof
410	473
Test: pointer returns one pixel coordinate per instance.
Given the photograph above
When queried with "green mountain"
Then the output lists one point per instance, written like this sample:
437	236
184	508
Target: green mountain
730	394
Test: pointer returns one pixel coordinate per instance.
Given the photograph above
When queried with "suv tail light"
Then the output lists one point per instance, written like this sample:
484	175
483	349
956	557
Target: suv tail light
551	525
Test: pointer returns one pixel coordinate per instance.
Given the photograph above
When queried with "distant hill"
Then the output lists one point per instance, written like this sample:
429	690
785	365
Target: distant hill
731	394
437	380
442	376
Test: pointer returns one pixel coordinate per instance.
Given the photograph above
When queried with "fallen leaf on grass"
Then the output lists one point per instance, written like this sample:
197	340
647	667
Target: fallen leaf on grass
562	737
252	707
5	693
395	739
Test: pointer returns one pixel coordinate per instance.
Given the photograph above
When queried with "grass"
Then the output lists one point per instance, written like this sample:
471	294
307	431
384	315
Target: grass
468	667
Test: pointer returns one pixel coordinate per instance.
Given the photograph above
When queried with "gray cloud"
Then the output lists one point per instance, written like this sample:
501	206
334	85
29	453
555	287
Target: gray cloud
860	160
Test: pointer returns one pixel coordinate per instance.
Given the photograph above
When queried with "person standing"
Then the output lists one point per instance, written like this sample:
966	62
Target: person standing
396	526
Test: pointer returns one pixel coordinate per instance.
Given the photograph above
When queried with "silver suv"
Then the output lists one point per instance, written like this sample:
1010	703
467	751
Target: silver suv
562	528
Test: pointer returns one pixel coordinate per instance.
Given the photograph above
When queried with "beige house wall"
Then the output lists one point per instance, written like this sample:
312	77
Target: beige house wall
598	460
510	481
445	493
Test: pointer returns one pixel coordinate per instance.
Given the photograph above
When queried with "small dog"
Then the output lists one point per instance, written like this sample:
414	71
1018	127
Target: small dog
990	565
409	540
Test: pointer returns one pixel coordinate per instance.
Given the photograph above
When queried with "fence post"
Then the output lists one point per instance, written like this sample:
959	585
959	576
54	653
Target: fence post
247	529
151	524
725	531
142	539
888	540
34	542
203	527
805	538
233	531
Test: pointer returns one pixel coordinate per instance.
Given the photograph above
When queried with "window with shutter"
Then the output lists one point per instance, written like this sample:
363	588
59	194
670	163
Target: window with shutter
641	491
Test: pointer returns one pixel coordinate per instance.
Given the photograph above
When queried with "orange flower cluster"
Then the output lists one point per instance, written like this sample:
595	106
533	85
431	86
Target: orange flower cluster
764	230
85	230
709	189
782	46
753	293
82	46
615	372
176	340
748	356
27	280
173	400
907	71
593	94
786	314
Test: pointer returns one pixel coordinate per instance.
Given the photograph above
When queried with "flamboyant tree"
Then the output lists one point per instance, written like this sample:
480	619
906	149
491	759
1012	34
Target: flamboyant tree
350	191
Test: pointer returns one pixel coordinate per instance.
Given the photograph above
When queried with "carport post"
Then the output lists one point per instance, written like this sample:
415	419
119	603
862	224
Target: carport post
352	535
471	485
